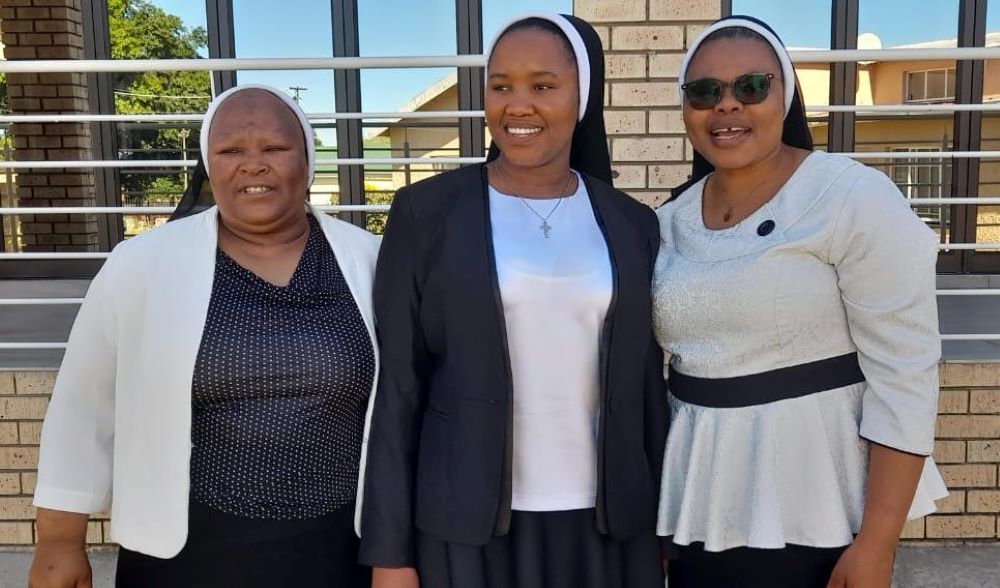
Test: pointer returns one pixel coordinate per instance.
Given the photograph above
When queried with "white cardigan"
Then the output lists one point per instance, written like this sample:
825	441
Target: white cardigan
120	417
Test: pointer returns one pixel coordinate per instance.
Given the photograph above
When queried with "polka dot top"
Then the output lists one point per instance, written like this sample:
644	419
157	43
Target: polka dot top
280	388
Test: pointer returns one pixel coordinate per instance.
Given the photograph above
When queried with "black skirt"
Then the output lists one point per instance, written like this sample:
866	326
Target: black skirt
560	549
227	550
795	566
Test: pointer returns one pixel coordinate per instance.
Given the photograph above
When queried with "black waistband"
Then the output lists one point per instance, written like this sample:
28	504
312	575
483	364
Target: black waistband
780	384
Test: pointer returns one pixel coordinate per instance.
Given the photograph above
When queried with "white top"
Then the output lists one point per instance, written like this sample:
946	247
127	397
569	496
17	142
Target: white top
848	267
556	293
118	428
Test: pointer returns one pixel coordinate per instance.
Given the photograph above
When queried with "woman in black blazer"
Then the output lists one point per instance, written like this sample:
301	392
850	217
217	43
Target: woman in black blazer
519	425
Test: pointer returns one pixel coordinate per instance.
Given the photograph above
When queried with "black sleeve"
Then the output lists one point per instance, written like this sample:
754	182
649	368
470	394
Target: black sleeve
387	511
656	409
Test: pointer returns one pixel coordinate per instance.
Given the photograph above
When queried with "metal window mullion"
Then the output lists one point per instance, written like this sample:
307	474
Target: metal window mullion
974	22
347	98
221	41
968	90
469	23
843	76
104	135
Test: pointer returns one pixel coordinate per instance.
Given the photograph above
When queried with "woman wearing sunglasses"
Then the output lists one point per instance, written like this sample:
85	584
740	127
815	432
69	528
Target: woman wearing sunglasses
794	291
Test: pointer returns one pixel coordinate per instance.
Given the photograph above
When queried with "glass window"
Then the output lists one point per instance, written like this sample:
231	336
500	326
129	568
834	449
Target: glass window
157	29
988	217
295	28
930	85
803	25
894	24
921	178
936	88
496	14
416	28
916	86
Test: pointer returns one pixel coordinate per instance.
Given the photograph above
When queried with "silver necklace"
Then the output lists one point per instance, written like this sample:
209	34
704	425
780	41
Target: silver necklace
545	227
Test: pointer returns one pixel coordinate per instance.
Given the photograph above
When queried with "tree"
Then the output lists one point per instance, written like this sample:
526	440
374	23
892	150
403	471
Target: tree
4	106
375	221
140	30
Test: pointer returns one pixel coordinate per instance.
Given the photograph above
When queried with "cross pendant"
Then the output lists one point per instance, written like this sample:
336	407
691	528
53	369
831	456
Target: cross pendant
545	227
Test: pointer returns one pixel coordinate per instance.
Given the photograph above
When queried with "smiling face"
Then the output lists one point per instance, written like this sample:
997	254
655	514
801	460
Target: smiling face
257	161
532	97
733	135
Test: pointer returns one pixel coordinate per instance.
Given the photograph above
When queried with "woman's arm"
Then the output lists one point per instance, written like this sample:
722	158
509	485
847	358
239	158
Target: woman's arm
76	461
885	261
387	511
60	558
892	479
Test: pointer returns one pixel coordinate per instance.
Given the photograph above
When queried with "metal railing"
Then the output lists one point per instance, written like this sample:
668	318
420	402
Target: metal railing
164	65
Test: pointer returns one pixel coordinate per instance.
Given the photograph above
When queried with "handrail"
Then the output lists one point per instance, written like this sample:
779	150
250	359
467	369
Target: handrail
147	163
234	64
899	54
84	255
316	63
72	301
903	108
144	163
25	210
375	208
197	117
194	117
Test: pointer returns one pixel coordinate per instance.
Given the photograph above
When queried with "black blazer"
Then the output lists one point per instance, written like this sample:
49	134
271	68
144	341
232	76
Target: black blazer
439	454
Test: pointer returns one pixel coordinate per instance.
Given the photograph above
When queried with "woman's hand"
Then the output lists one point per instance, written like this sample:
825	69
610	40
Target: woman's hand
864	564
892	479
60	565
395	578
61	558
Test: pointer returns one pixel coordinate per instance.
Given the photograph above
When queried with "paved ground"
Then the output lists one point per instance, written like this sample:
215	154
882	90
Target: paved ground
919	566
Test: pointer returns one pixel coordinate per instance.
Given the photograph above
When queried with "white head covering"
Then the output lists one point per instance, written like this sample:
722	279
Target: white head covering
307	131
575	40
787	70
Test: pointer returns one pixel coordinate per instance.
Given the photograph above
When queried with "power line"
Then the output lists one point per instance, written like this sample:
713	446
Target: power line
138	95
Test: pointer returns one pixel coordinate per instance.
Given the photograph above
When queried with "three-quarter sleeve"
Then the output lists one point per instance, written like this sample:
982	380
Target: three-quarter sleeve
387	510
76	460
885	257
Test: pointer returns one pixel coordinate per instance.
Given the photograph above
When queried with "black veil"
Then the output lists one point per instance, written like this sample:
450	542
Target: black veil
795	132
589	150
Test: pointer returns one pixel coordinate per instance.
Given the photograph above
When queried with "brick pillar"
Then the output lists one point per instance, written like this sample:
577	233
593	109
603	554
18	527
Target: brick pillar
50	29
644	41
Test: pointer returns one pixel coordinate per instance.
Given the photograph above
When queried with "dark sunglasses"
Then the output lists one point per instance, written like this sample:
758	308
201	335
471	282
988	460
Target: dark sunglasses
751	88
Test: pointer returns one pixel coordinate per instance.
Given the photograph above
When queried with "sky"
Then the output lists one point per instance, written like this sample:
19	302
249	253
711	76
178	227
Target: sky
302	28
806	23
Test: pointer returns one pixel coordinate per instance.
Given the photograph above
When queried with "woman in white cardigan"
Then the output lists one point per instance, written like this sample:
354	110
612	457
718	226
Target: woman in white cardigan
213	393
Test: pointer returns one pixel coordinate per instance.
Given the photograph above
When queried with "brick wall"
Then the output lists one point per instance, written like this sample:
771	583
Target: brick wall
644	41
50	29
24	397
967	452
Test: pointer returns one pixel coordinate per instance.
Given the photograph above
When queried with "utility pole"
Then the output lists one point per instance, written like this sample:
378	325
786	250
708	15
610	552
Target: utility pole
295	91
